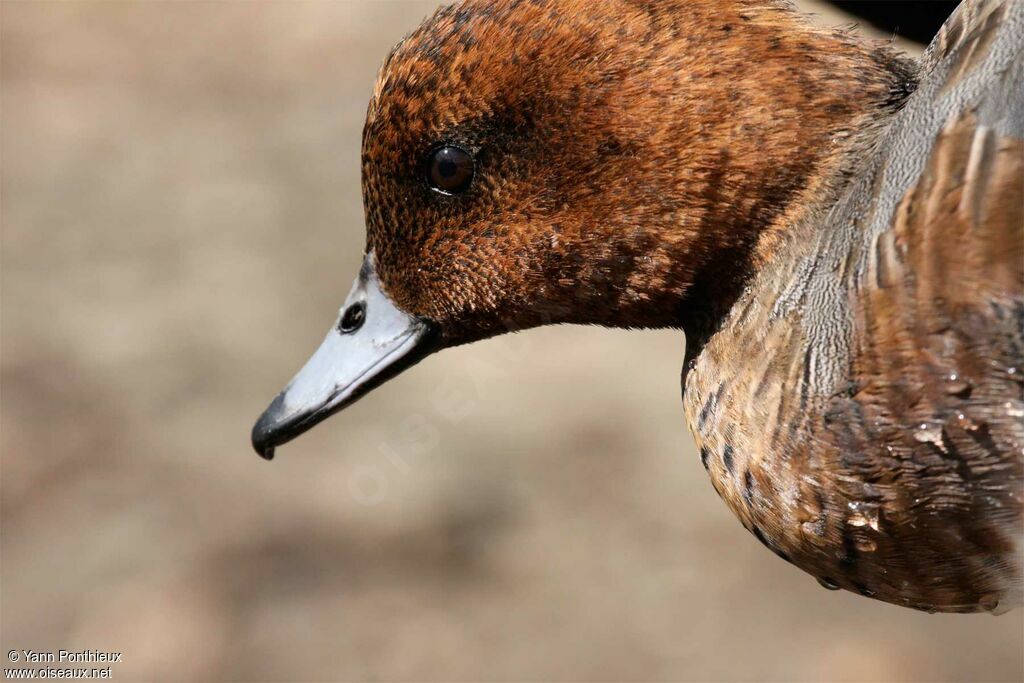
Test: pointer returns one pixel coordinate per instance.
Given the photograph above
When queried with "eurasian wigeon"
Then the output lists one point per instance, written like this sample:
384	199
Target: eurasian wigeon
838	229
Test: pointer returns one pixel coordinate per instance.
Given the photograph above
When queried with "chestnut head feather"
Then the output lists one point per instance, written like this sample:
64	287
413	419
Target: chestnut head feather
618	151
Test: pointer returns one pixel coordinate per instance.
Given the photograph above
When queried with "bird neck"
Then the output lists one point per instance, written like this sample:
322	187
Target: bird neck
770	124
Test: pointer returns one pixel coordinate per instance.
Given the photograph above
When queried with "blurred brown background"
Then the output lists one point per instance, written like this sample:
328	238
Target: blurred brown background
181	219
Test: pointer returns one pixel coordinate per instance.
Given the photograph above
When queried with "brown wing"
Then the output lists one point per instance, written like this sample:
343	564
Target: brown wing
937	376
939	366
878	444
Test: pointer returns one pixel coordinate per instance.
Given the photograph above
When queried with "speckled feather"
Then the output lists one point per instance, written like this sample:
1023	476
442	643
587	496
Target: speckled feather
879	444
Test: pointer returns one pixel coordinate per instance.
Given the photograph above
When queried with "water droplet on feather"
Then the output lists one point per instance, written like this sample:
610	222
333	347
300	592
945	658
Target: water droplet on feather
966	423
866	545
814	528
932	434
956	385
993	605
863	514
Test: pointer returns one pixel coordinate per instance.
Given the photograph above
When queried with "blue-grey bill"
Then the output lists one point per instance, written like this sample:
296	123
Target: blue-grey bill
348	364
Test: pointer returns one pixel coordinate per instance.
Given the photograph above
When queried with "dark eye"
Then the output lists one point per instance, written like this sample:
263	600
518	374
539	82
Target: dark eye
449	170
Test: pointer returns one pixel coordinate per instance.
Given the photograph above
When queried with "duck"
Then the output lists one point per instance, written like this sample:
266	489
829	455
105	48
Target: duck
837	229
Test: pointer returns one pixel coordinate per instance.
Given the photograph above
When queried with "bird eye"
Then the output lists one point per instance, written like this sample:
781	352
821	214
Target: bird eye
449	170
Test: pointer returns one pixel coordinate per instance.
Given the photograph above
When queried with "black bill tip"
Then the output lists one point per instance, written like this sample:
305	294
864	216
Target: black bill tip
372	341
266	431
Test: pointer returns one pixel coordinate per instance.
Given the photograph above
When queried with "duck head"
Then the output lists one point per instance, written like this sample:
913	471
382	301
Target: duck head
530	162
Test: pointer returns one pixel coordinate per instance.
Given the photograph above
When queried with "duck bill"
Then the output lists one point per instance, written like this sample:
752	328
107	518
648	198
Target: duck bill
372	341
